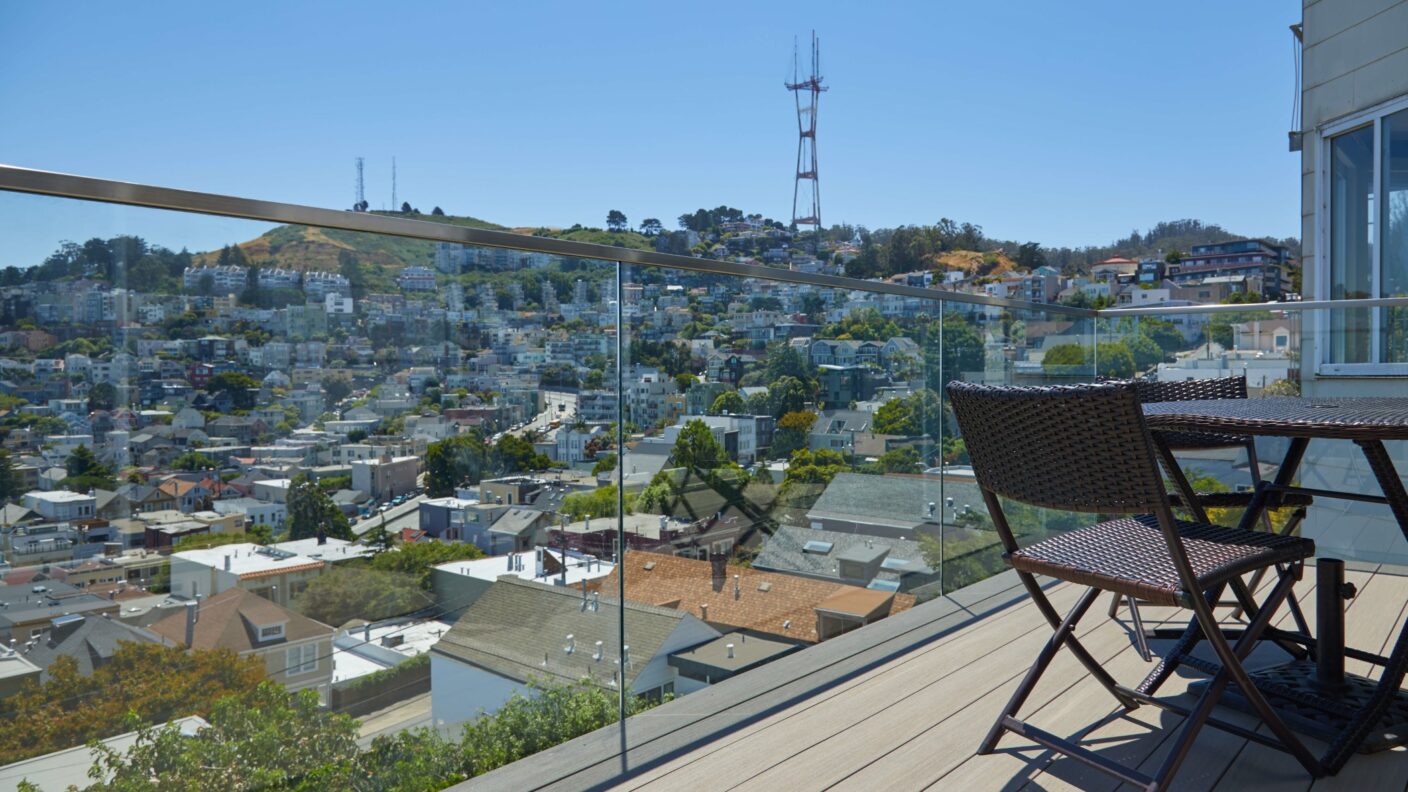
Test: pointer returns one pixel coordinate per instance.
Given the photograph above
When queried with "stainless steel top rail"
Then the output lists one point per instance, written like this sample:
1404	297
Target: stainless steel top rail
65	185
1291	306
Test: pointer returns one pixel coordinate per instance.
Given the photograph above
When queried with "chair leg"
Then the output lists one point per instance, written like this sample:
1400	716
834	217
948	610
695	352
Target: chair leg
1043	660
1233	672
1141	641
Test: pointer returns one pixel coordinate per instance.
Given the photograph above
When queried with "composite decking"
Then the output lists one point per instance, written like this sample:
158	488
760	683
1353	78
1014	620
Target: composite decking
903	703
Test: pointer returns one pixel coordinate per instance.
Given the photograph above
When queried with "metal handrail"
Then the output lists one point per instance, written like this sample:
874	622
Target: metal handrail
63	185
1289	306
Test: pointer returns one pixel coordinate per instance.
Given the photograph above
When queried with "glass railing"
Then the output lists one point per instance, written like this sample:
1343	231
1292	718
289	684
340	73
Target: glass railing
432	490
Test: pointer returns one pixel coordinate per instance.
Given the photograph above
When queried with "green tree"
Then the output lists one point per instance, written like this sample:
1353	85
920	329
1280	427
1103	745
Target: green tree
414	561
69	708
241	387
312	513
696	448
1115	360
899	460
192	461
453	462
1062	358
605	464
102	396
266	739
791	433
9	480
814	467
616	220
730	402
344	593
789	394
86	472
600	502
921	412
513	454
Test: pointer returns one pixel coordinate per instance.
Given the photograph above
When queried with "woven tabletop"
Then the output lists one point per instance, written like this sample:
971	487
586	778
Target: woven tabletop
1358	418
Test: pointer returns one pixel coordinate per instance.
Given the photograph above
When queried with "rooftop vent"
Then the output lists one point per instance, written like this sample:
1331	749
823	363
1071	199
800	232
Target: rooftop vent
765	587
649	565
817	547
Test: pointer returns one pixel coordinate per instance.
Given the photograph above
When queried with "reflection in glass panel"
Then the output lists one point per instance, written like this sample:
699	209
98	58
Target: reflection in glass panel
1351	242
1394	251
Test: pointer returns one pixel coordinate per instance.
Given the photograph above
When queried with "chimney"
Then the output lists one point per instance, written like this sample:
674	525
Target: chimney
510	561
584	597
704	611
322	537
729	647
571	644
227	562
598	655
191	618
718	563
736	590
596	602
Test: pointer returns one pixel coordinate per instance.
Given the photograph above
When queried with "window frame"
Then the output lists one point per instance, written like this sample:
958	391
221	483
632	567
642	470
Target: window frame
304	665
1371	117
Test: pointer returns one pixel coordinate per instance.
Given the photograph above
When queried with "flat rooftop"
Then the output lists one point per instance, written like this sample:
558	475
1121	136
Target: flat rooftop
526	565
248	558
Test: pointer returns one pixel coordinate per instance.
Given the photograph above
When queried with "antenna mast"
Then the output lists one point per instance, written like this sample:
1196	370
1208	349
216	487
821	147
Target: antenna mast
361	192
394	206
806	189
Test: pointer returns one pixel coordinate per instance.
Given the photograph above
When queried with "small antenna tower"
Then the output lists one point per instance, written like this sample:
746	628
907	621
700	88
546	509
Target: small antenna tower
395	207
806	189
361	191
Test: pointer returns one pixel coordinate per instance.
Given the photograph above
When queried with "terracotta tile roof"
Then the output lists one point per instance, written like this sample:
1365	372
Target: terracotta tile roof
765	601
176	487
281	570
231	620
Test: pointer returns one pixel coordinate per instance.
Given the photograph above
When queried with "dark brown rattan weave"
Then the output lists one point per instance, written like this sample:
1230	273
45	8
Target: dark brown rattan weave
1081	448
1240	500
1130	556
1156	392
1360	418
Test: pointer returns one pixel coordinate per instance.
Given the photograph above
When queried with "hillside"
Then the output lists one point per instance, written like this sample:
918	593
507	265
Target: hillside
318	249
975	263
310	249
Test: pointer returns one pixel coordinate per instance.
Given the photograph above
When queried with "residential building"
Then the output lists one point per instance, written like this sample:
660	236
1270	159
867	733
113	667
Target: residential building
416	279
276	575
296	651
521	630
1263	262
457	584
61	505
766	604
385	477
881	563
27	610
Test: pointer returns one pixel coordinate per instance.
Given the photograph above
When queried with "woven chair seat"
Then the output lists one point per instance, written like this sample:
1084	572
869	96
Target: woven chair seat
1239	500
1130	556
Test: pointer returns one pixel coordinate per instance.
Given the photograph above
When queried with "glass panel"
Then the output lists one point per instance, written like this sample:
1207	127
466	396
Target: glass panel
1017	347
339	455
1394	253
1351	242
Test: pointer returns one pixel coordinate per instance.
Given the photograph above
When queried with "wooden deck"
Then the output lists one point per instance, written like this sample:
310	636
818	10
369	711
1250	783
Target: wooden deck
905	708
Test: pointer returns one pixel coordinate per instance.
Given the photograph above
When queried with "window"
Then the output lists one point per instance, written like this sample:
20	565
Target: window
302	660
1364	184
271	632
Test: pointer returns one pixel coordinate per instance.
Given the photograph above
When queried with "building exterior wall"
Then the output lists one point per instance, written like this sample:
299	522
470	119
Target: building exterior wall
1355	59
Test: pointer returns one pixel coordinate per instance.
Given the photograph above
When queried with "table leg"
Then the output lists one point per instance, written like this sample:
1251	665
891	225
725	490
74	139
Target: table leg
1329	624
1371	713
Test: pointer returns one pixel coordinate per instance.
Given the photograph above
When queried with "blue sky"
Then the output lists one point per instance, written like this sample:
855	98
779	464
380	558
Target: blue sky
1064	123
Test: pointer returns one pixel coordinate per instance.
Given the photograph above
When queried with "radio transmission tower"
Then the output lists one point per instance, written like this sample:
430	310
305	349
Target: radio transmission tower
806	91
395	207
361	191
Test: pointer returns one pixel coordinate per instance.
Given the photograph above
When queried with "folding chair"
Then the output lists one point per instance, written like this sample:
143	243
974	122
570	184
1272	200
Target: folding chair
1086	448
1153	392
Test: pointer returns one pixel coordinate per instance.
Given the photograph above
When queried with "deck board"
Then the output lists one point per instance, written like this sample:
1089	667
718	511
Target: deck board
890	730
914	720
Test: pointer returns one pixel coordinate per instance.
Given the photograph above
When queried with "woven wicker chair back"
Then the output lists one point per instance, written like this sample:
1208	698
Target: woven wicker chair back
1153	392
1081	448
